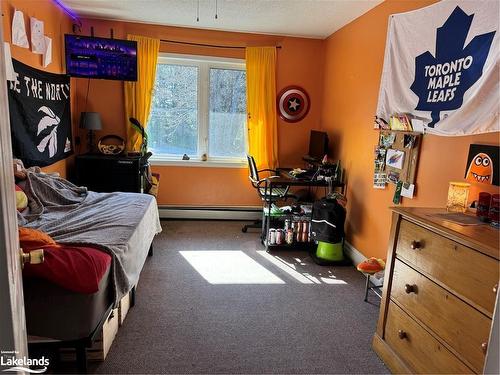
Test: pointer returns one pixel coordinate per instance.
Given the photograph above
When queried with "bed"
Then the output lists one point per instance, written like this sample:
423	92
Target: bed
119	225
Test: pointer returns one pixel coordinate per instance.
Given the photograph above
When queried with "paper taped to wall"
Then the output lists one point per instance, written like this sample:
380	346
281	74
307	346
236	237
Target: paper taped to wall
47	54
19	37
37	37
10	74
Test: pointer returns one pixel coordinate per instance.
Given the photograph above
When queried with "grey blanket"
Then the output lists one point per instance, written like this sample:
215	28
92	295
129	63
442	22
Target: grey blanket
108	221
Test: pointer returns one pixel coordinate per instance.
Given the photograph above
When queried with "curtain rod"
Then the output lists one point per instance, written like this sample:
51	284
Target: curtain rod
204	45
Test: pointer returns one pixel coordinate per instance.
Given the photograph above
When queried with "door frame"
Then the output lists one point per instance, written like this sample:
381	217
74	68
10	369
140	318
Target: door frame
13	339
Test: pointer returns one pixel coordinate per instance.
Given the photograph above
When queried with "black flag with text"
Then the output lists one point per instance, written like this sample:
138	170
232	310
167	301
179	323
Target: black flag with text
40	115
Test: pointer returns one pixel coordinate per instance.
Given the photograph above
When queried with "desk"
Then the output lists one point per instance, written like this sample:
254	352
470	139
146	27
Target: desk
282	181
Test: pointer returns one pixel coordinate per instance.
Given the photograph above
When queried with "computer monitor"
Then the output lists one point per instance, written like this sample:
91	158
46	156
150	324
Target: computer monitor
318	144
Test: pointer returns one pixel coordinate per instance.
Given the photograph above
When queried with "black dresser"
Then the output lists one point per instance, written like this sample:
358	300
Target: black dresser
107	173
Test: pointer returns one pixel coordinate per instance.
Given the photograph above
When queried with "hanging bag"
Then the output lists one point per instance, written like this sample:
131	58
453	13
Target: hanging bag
328	218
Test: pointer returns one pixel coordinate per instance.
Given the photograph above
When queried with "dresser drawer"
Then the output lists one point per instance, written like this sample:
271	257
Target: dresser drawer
417	348
467	272
464	328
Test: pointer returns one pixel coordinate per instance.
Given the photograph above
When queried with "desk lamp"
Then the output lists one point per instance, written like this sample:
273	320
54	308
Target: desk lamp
90	121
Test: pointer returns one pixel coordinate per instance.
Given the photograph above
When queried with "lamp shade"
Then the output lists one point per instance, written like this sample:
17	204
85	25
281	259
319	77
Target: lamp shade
458	193
90	121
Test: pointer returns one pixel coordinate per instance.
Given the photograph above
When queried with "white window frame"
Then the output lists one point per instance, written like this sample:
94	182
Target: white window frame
204	64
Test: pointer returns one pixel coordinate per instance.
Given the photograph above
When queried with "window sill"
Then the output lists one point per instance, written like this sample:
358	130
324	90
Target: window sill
197	163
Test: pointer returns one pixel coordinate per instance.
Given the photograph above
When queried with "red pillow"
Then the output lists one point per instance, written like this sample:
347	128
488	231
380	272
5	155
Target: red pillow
79	269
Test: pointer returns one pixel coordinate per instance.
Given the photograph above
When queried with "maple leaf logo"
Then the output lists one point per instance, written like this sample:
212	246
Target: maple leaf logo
442	80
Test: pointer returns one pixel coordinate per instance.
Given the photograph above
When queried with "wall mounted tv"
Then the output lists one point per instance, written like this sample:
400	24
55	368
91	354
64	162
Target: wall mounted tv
91	57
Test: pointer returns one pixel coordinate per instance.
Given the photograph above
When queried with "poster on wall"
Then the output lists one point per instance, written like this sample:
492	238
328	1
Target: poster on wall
441	66
482	164
40	116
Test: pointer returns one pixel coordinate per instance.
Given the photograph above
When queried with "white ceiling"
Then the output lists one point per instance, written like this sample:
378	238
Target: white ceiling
306	18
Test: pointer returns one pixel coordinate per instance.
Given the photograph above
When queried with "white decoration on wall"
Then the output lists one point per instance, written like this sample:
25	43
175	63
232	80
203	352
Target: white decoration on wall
9	68
47	55
19	37
37	37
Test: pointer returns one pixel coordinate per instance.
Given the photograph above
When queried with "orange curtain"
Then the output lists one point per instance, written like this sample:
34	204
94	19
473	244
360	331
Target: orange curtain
261	106
138	95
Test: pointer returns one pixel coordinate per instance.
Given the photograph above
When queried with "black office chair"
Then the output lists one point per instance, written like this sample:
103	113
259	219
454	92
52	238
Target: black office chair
277	193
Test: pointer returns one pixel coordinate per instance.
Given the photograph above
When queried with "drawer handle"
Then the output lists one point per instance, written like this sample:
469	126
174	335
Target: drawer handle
495	288
484	347
402	334
415	245
410	288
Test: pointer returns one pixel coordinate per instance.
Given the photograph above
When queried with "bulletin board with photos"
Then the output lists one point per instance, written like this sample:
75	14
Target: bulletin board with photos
395	161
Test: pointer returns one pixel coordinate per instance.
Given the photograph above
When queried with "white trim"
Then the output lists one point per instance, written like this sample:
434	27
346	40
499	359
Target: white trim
357	257
178	58
211	213
354	254
161	161
12	317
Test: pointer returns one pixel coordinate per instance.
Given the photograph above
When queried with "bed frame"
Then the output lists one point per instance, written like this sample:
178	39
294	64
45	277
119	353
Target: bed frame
80	345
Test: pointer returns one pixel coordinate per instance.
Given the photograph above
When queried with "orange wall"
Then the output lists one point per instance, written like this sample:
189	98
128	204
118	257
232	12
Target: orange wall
353	64
299	63
57	23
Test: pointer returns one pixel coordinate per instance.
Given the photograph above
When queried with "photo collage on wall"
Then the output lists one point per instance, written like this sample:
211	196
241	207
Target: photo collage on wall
395	162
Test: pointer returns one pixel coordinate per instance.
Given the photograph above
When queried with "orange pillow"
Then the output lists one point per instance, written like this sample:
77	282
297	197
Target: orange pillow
33	238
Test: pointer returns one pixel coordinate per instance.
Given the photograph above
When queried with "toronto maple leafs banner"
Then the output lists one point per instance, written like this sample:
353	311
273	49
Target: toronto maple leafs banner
441	66
40	117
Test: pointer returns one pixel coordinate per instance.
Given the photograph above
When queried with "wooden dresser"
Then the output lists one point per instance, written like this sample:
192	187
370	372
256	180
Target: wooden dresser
440	287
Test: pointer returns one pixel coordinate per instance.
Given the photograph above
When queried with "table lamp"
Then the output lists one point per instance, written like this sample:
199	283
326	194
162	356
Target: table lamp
458	193
90	121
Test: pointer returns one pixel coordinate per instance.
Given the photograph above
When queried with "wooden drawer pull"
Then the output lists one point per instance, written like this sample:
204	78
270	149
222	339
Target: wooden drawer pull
402	334
484	347
410	288
415	245
495	288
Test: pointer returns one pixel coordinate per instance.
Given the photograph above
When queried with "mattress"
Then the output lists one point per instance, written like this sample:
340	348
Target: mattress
57	313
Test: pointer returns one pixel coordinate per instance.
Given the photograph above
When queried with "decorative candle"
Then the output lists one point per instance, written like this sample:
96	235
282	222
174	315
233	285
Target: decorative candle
458	193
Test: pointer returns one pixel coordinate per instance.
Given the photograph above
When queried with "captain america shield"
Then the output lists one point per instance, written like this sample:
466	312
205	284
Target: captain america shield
293	103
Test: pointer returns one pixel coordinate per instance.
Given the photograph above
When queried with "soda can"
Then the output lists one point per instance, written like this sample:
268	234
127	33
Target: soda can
302	237
288	224
305	227
289	236
280	236
299	226
271	240
294	226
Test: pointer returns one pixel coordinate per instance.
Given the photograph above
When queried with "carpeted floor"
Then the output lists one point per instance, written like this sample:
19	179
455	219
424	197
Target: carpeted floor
250	312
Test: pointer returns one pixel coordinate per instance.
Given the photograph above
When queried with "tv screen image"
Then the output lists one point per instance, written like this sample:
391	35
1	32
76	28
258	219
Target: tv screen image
91	57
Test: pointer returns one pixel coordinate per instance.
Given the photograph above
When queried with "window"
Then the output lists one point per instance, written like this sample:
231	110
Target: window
198	108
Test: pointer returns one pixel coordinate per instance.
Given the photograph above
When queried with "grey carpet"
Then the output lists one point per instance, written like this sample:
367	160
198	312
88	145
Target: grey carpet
183	324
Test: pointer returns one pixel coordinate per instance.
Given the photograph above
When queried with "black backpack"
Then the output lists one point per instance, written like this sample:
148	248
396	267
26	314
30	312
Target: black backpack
327	223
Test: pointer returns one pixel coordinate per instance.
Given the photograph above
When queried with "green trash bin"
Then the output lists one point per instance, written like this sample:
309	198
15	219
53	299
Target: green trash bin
330	251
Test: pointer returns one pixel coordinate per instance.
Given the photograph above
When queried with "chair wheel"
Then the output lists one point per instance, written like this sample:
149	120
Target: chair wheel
244	229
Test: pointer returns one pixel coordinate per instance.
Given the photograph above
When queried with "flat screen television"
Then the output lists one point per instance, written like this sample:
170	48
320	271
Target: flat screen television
103	58
318	145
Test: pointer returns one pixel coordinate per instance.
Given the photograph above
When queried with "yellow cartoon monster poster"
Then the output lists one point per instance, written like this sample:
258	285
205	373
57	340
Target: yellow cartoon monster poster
482	164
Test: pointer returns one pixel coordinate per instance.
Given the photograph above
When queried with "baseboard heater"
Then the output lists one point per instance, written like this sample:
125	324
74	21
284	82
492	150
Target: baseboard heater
210	213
